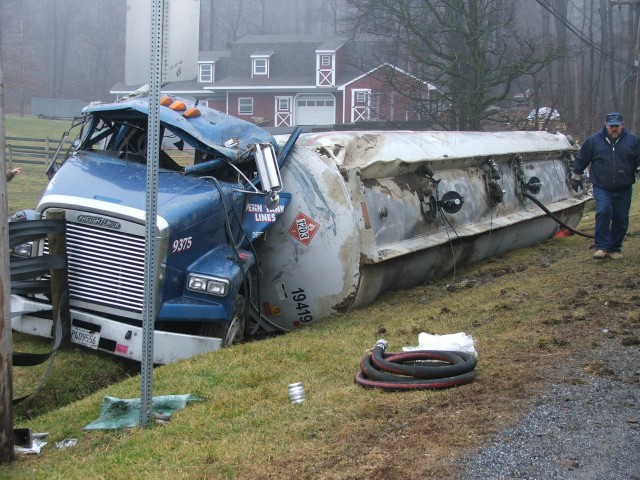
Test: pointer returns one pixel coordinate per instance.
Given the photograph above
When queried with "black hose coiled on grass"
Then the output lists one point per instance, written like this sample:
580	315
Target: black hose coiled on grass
415	370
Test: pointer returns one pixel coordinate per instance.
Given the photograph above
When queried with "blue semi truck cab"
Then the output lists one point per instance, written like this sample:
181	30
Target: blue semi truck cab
215	173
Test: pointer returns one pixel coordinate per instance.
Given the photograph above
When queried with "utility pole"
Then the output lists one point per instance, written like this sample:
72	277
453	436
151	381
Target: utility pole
634	123
635	116
6	362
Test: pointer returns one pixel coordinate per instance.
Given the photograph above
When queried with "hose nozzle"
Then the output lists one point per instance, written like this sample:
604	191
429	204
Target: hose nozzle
382	343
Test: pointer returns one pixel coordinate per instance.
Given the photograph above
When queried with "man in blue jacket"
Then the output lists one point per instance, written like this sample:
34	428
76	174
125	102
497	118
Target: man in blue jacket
612	155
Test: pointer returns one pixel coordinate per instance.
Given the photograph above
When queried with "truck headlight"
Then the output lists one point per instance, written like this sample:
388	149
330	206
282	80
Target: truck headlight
23	250
210	285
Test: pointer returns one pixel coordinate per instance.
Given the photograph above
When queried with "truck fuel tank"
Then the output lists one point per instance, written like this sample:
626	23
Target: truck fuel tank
377	211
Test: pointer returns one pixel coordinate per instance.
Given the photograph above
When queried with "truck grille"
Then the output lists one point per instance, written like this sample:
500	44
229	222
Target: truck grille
106	267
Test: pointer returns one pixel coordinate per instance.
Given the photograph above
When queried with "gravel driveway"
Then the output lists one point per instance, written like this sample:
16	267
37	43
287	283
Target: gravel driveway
587	426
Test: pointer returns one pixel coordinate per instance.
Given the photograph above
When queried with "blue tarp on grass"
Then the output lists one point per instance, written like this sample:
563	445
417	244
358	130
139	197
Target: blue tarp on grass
122	413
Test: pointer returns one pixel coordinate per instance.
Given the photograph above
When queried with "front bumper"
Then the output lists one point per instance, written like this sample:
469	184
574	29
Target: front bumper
116	338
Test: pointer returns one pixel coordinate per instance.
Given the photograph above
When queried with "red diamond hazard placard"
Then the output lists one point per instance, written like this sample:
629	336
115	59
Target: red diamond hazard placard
303	228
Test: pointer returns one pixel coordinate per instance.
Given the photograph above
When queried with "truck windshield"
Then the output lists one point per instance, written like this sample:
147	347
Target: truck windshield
127	139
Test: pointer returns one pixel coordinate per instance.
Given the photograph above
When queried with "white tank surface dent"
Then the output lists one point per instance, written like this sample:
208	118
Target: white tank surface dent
362	149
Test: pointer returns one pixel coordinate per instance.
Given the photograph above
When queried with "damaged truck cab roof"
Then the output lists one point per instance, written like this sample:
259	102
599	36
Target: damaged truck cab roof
210	130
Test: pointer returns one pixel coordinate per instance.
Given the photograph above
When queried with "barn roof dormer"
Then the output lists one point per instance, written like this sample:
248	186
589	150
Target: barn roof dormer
326	63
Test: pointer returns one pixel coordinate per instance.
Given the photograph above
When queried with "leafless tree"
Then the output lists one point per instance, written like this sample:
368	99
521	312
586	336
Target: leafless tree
597	74
467	48
22	72
209	23
330	16
99	50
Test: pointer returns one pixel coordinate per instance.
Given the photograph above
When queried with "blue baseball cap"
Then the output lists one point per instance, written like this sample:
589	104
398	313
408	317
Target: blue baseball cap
614	119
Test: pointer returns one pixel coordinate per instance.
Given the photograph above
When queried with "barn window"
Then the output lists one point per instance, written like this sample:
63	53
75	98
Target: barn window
283	104
245	105
260	64
206	73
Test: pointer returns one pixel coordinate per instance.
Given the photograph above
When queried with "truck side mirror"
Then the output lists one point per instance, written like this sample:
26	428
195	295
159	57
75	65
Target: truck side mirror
269	173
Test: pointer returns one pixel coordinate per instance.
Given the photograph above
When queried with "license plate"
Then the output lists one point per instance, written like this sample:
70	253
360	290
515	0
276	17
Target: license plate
85	337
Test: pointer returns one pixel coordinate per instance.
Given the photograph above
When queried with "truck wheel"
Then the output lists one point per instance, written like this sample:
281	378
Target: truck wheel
232	332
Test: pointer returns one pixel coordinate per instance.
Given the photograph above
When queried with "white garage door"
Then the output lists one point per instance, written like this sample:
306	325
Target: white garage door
315	110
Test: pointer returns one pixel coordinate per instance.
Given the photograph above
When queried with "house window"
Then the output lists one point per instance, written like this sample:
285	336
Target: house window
206	73
361	97
283	104
245	106
325	60
260	66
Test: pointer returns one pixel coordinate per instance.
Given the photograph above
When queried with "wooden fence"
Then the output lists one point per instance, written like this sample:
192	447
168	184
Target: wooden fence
35	151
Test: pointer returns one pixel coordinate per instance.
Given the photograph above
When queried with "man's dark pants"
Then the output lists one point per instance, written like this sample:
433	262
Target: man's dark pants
612	217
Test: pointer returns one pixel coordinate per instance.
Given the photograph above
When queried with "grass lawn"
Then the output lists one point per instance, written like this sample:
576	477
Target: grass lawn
25	190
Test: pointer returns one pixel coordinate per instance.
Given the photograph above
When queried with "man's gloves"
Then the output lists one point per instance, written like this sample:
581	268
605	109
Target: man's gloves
576	182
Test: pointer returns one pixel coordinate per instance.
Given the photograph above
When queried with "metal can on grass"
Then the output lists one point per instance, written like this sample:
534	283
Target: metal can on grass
296	393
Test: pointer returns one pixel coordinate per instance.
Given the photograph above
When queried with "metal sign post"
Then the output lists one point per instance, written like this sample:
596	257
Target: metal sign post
153	146
172	58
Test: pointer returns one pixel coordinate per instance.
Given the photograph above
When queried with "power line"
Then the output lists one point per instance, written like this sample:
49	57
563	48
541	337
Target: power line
573	29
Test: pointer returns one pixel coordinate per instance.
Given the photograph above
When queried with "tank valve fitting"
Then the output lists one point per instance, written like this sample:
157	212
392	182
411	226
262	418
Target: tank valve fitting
451	202
534	185
494	169
430	208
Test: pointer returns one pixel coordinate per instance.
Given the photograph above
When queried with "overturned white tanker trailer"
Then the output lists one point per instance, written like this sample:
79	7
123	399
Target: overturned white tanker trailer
261	233
377	211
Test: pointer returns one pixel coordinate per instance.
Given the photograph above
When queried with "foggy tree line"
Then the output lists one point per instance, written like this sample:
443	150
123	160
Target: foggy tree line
472	51
223	21
494	57
488	58
75	49
60	49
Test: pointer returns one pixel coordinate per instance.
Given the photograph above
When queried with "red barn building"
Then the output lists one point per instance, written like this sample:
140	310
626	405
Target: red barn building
287	80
